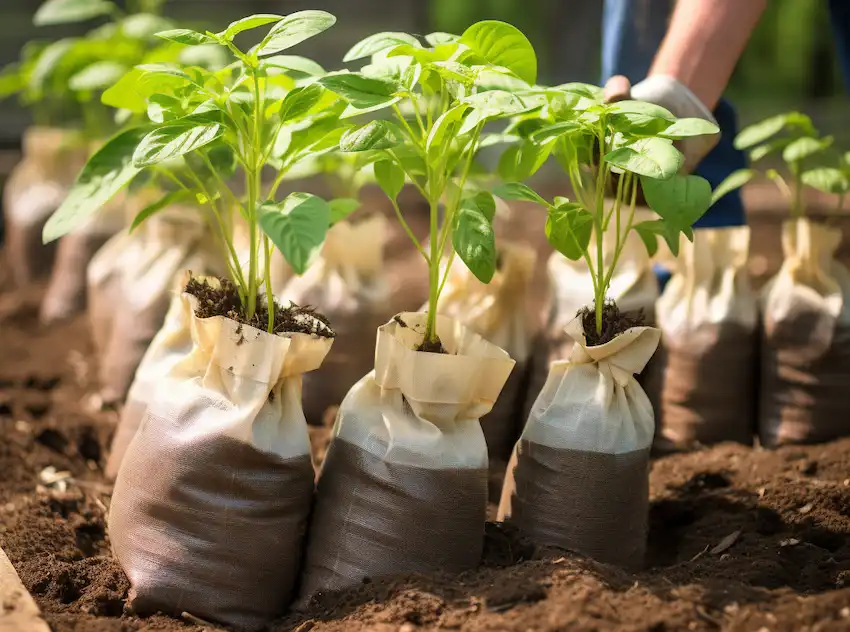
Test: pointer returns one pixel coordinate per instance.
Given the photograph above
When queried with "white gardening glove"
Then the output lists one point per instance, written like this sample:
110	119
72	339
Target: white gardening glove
675	96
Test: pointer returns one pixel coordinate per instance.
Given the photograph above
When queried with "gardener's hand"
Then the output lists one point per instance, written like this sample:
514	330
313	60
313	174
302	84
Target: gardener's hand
673	95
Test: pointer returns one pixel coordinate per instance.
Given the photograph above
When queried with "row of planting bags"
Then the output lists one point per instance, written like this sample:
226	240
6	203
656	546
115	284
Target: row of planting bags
215	505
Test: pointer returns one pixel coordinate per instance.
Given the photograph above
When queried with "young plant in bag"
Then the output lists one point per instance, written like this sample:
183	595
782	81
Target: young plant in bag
436	101
603	146
809	158
262	110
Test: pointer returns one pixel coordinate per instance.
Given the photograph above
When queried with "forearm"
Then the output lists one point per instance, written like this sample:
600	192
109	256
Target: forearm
704	42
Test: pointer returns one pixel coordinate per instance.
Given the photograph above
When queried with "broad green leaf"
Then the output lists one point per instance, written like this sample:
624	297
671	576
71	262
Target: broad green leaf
144	25
733	181
551	132
518	191
453	71
639	117
373	135
162	107
568	229
438	38
522	161
11	81
165	69
765	149
350	111
679	201
501	44
341	208
176	139
362	92
168	199
294	62
650	157
473	239
804	147
246	24
108	171
223	160
377	43
649	232
136	87
828	180
294	29
97	76
298	102
186	37
47	62
500	102
68	11
760	132
390	178
437	138
686	127
649	237
586	90
297	226
484	202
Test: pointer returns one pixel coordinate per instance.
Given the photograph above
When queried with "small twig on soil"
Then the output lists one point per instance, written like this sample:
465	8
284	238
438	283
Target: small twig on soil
198	621
702	614
701	553
726	543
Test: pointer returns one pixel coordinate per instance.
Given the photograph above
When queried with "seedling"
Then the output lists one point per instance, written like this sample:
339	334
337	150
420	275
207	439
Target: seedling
204	126
594	141
438	100
805	153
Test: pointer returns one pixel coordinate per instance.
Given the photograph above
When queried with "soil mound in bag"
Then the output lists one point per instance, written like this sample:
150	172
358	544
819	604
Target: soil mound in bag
212	499
634	288
129	285
805	345
579	476
34	190
707	364
498	312
403	487
349	282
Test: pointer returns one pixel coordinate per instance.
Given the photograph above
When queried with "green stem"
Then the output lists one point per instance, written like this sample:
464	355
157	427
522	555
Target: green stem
409	232
269	291
598	216
797	207
622	237
451	210
406	125
433	275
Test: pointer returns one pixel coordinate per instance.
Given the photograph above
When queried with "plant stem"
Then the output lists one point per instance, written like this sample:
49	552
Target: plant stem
797	207
409	232
433	275
598	216
269	291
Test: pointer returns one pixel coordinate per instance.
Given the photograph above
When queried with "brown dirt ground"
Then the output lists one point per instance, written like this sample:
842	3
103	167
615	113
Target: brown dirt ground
741	539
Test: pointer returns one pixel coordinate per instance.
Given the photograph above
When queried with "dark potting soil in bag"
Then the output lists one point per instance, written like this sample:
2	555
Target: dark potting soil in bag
707	364
579	476
35	189
498	312
403	487
634	288
213	496
349	283
805	348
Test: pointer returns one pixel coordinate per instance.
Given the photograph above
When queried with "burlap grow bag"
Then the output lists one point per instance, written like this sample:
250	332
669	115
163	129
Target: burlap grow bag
349	283
34	190
634	287
129	284
706	366
403	487
498	312
212	499
579	476
805	369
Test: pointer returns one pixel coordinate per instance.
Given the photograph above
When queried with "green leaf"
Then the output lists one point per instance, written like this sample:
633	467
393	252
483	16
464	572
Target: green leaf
350	111
649	237
294	62
362	92
167	200
522	161
679	201
499	102
186	37
294	29
68	11
377	43
390	178
805	147
760	132
97	76
108	171
640	117
518	191
649	232
437	138
297	226
551	132
439	38
47	62
176	139
828	180
568	229
299	101
650	157
687	127
501	44
246	24
223	160
733	181
136	87
342	208
765	149
373	135
473	238
142	26
484	202
453	71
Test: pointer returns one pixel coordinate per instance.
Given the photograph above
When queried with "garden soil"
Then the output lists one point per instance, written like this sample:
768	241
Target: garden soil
740	539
